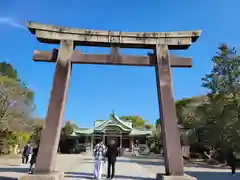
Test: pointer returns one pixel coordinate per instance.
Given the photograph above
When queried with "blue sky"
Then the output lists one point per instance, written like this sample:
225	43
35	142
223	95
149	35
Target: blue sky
96	90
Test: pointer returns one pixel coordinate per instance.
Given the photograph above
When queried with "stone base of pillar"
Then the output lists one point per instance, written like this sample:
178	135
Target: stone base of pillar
165	177
52	176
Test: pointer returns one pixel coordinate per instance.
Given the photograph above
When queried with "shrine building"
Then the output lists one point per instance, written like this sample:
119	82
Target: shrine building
122	131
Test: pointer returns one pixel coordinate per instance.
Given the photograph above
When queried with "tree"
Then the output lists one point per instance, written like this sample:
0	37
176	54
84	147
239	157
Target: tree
67	130
148	126
13	101
215	120
219	115
182	110
156	141
224	80
19	138
225	74
157	123
137	121
36	134
65	146
6	69
16	102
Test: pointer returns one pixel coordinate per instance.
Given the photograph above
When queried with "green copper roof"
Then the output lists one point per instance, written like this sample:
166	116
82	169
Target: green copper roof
79	131
98	123
113	121
122	122
90	131
140	132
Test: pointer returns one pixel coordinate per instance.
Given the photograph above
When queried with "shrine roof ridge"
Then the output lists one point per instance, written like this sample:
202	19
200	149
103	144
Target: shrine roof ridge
52	34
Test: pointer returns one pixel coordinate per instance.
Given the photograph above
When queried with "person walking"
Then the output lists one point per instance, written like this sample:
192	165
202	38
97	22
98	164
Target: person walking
231	160
26	152
30	154
99	156
112	153
33	159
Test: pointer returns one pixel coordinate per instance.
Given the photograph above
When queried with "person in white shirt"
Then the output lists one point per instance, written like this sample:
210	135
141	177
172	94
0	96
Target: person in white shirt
99	156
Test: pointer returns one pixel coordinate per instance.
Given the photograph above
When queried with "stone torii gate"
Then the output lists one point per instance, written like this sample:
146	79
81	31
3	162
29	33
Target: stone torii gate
68	38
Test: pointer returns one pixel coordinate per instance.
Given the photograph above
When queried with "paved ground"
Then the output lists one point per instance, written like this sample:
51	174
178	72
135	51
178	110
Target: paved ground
77	167
125	170
146	169
201	172
12	168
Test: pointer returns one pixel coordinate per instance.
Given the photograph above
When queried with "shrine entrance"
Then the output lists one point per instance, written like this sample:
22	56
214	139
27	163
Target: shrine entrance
115	138
68	38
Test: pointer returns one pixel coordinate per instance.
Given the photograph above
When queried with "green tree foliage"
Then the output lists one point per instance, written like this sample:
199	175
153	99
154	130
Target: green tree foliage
225	75
157	123
148	126
216	117
19	138
67	130
155	143
181	106
66	145
6	69
36	134
214	120
137	121
224	82
16	104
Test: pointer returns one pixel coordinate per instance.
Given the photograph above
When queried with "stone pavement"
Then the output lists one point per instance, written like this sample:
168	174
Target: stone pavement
12	168
146	169
201	172
80	167
125	170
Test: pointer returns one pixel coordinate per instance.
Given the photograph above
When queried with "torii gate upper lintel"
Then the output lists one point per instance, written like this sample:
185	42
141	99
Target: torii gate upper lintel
52	34
68	38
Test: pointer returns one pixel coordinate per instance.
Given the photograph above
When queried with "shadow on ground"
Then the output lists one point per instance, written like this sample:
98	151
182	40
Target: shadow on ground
87	159
90	176
160	162
198	175
143	162
7	178
157	156
213	175
18	170
193	164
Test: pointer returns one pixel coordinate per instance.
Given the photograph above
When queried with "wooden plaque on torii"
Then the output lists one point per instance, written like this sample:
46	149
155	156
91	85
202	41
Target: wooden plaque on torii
65	56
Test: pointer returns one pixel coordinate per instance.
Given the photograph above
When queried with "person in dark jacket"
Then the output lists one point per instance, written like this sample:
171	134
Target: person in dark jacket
231	160
112	153
33	159
26	153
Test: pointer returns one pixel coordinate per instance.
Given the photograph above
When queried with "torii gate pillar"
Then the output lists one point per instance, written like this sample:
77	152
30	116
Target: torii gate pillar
173	157
54	120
